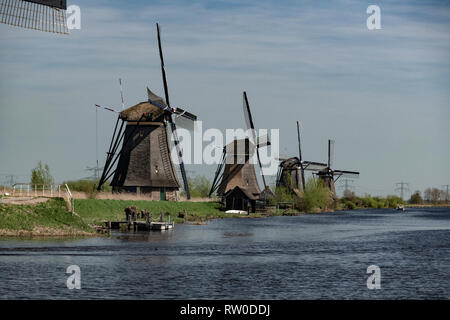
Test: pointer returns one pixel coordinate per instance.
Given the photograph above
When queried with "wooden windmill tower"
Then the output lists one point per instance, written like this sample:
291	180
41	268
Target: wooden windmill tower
144	161
291	171
330	176
235	179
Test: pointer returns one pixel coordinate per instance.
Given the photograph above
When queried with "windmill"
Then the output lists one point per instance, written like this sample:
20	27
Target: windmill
43	15
291	171
235	179
144	161
330	176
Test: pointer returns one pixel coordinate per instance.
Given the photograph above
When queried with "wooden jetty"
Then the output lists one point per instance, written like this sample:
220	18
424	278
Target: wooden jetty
140	225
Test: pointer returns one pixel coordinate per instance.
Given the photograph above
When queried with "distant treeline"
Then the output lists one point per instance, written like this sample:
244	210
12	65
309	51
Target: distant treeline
317	197
430	196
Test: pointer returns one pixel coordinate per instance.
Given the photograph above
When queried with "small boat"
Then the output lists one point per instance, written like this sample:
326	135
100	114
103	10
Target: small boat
237	211
400	208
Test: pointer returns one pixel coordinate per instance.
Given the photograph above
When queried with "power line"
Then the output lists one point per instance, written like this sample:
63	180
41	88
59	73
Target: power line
446	193
347	184
10	179
402	187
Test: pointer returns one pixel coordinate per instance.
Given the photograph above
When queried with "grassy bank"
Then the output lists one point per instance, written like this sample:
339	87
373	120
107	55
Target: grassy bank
49	218
95	211
367	201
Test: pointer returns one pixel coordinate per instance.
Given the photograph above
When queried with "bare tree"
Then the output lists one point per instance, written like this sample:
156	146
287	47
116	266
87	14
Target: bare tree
435	195
428	195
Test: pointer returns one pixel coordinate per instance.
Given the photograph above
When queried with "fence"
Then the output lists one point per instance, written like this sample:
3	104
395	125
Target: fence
50	191
29	190
70	199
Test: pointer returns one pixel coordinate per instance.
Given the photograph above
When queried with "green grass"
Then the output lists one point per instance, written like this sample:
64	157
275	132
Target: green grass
95	211
52	214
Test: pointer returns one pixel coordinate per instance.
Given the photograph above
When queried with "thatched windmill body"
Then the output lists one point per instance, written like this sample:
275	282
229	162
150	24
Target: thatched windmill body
235	180
144	163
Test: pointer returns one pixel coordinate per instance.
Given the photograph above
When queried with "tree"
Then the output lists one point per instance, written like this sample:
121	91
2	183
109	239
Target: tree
427	195
435	195
199	186
444	196
416	198
41	175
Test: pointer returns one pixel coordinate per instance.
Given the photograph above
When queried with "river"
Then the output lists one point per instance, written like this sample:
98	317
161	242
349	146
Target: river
314	256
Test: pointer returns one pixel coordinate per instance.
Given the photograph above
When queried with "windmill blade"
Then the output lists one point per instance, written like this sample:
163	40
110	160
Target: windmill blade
43	15
300	155
330	153
299	142
263	141
314	166
163	71
170	120
180	157
159	102
106	108
155	99
346	174
251	126
121	93
248	117
217	176
182	113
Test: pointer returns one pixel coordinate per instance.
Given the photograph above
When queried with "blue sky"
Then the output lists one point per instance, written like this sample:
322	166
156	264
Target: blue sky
383	95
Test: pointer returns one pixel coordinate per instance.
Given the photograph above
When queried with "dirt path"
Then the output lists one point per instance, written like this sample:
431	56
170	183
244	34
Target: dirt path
23	200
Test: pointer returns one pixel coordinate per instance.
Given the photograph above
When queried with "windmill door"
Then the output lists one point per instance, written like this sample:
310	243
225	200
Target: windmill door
162	194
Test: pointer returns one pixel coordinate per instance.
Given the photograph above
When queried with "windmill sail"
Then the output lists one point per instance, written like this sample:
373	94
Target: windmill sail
300	156
43	15
251	127
346	174
170	120
314	166
329	176
291	171
156	100
330	153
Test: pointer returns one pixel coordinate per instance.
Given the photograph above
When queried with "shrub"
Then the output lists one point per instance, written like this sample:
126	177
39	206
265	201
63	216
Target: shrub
394	201
369	202
199	187
316	195
349	205
283	194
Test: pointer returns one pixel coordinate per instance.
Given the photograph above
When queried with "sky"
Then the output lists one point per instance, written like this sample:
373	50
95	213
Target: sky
382	95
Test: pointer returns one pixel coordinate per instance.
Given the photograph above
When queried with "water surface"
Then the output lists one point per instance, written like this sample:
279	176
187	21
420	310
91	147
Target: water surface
320	256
